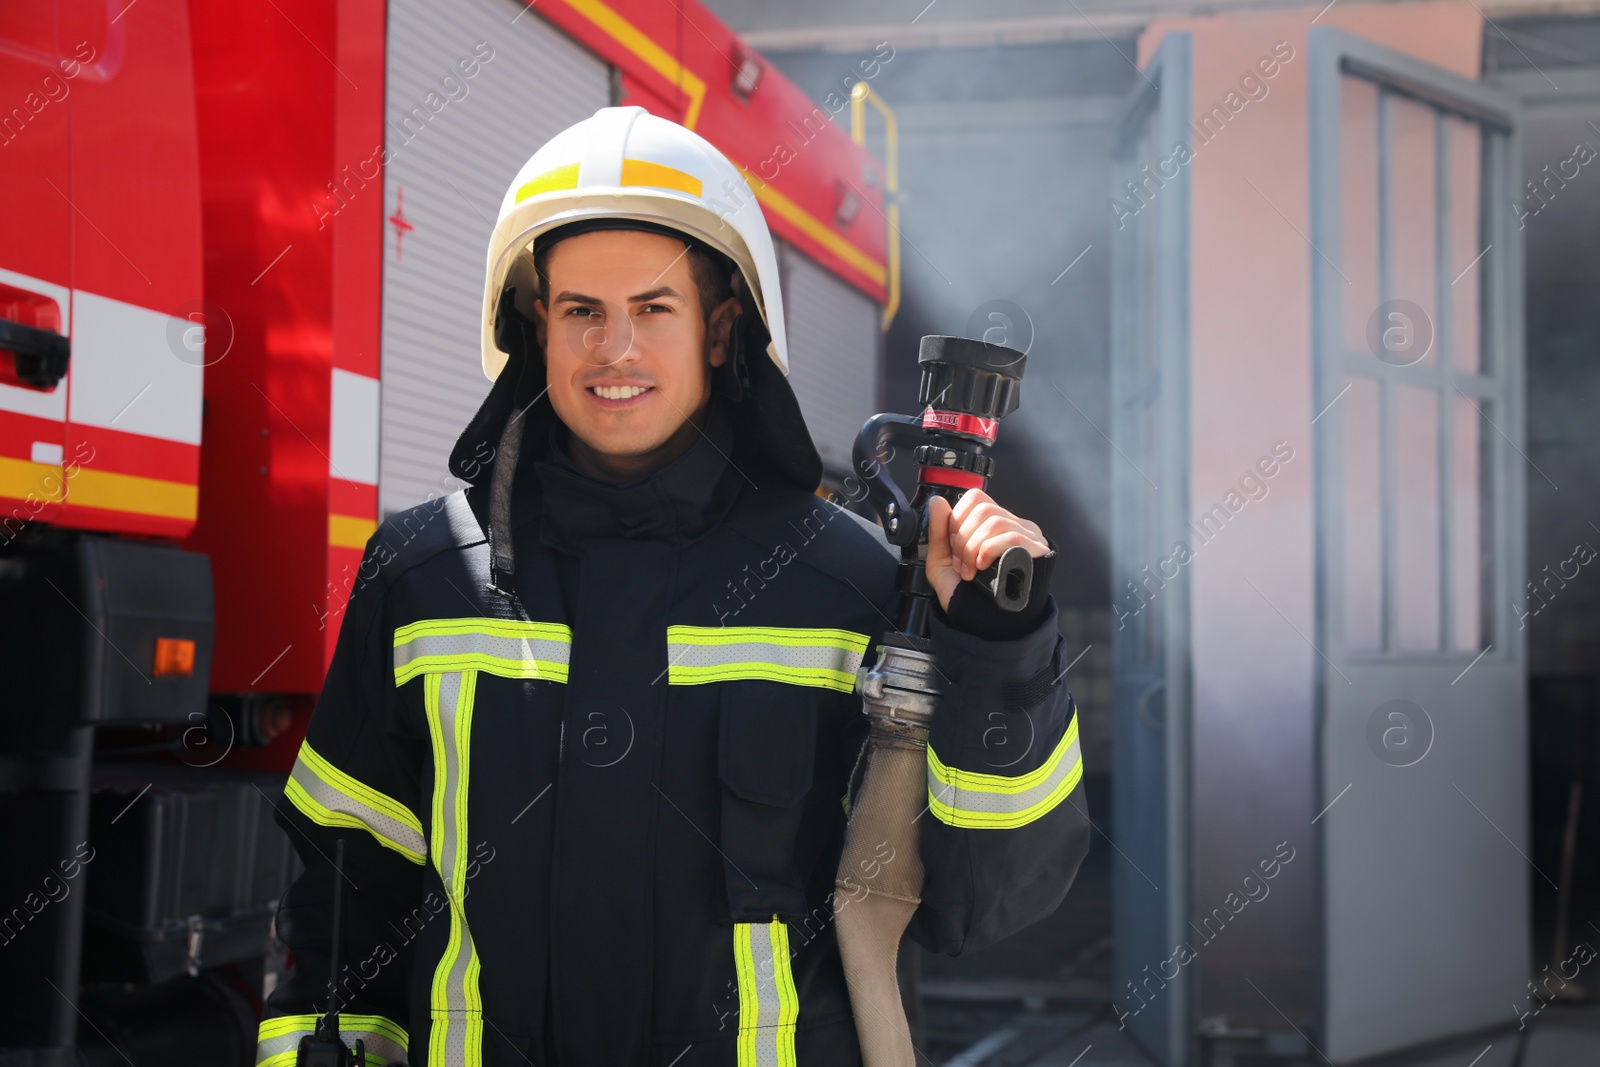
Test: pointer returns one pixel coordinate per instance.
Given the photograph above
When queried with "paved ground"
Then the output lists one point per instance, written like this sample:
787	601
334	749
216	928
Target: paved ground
1019	1005
1561	1037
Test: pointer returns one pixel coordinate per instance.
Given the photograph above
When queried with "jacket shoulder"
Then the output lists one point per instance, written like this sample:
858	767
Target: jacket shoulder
824	536
411	537
442	540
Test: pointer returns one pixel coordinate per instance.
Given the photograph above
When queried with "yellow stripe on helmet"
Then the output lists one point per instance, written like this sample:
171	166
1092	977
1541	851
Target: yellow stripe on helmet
660	176
549	182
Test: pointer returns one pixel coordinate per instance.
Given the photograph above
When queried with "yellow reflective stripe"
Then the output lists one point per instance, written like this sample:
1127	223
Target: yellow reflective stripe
974	781
361	1024
329	797
772	635
509	648
820	677
456	1007
788	996
544	669
132	493
814	228
550	181
660	176
278	1040
998	802
350	531
21	478
639	43
478	625
822	657
769	1005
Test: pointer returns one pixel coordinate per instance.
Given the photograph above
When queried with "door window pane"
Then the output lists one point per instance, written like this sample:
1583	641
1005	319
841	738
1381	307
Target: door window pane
1415	573
1413	234
1358	210
1465	151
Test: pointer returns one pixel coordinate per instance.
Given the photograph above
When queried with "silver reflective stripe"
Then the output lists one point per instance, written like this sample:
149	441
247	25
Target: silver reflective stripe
279	1039
768	1002
504	647
456	1037
826	658
999	802
329	797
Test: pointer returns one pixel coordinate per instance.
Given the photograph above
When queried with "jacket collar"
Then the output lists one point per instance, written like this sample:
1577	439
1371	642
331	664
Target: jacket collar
679	504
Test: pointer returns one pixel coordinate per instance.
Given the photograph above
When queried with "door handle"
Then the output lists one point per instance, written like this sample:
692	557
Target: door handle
39	357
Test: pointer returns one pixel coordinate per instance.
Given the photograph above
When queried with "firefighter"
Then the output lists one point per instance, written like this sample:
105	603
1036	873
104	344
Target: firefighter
588	729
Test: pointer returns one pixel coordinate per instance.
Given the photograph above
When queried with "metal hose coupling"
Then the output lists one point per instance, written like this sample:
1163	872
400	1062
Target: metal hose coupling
901	690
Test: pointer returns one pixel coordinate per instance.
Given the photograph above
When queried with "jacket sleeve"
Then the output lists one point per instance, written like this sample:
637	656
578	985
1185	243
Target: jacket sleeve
1006	825
356	779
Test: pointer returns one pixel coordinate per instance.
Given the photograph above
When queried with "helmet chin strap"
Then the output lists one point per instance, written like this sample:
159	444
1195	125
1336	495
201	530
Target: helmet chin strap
505	468
502	559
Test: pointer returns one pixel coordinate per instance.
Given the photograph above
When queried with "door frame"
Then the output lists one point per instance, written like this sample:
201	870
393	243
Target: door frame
1161	97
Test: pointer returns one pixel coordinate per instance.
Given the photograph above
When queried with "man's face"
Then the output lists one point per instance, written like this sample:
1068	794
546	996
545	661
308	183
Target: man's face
628	348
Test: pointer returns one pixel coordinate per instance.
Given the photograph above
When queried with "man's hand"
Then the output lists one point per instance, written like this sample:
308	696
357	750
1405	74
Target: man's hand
963	542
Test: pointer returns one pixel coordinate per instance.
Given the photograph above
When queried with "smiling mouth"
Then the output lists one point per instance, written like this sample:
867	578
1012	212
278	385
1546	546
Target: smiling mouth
619	392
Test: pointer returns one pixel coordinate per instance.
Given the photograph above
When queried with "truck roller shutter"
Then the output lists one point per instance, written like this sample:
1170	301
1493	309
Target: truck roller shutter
455	142
833	355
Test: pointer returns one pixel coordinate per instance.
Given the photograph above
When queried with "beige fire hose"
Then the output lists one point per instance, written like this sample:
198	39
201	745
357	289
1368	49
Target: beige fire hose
879	884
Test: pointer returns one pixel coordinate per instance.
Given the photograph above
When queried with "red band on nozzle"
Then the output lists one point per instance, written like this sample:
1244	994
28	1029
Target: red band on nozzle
960	422
945	476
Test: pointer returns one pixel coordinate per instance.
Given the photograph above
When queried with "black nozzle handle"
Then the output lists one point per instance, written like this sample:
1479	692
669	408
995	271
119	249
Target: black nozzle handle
900	523
1009	579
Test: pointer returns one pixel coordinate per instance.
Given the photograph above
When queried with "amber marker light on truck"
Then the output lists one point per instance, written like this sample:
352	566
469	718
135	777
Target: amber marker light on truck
174	655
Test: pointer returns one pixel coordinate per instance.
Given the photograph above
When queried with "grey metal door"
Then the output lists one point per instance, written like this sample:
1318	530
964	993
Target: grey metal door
1419	492
1150	504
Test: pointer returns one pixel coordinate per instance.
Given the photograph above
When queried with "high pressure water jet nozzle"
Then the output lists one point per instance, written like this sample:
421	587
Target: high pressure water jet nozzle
967	388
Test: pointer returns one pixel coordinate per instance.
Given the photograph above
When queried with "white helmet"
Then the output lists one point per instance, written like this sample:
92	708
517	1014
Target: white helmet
625	163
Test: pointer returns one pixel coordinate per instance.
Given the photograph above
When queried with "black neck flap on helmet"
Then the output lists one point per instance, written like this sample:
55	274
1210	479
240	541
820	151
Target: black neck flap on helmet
517	413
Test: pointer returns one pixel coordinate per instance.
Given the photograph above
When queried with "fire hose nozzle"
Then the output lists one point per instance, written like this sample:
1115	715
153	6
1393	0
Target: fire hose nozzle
967	388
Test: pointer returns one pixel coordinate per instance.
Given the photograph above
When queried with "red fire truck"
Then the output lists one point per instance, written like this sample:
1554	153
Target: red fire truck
240	271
